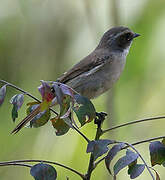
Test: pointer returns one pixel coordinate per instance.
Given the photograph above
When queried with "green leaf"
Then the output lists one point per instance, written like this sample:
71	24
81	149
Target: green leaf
65	111
60	125
163	141
84	109
62	99
17	101
111	154
99	147
135	170
41	118
2	94
14	113
63	122
43	172
132	164
157	153
65	105
125	161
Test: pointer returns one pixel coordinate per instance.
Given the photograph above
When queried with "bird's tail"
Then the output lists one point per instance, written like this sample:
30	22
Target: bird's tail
26	120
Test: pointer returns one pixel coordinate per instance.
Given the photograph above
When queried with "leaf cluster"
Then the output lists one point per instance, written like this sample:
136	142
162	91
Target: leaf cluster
72	104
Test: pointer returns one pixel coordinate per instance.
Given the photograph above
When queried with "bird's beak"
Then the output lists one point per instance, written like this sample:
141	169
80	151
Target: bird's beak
135	35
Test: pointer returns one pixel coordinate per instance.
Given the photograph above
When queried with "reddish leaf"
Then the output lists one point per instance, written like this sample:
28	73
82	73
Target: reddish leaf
111	154
157	153
60	125
46	93
2	94
43	172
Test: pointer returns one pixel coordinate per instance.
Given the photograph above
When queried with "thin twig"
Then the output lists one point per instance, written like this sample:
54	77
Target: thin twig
19	89
79	132
133	122
91	161
91	166
15	162
25	92
157	175
148	140
133	144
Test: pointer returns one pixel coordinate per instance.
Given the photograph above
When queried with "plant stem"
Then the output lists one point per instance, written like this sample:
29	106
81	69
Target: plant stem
19	89
133	122
79	132
148	140
91	166
133	144
91	161
17	162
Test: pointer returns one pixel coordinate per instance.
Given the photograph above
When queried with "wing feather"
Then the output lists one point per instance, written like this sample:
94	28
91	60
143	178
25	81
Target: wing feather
92	60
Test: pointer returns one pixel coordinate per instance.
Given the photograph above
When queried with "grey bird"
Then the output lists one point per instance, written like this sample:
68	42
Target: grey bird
98	71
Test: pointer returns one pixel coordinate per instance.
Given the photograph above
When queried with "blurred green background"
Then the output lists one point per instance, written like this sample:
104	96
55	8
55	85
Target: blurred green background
41	39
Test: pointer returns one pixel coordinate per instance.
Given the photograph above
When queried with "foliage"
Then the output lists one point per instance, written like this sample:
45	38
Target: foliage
43	171
72	104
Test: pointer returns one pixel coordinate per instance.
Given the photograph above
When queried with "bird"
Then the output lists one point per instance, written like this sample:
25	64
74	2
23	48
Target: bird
97	72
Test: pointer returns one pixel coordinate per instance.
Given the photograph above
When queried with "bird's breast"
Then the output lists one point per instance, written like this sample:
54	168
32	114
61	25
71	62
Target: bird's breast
109	73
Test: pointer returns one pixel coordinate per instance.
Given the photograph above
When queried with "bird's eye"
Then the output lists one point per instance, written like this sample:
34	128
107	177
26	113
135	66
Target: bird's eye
125	39
128	36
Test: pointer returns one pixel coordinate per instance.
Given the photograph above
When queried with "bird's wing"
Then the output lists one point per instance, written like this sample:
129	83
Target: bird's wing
92	60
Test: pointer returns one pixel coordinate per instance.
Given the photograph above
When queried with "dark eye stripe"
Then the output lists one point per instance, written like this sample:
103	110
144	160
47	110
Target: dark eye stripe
128	36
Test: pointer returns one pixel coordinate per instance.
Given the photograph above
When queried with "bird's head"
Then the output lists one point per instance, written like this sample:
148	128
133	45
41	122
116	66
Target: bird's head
117	38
